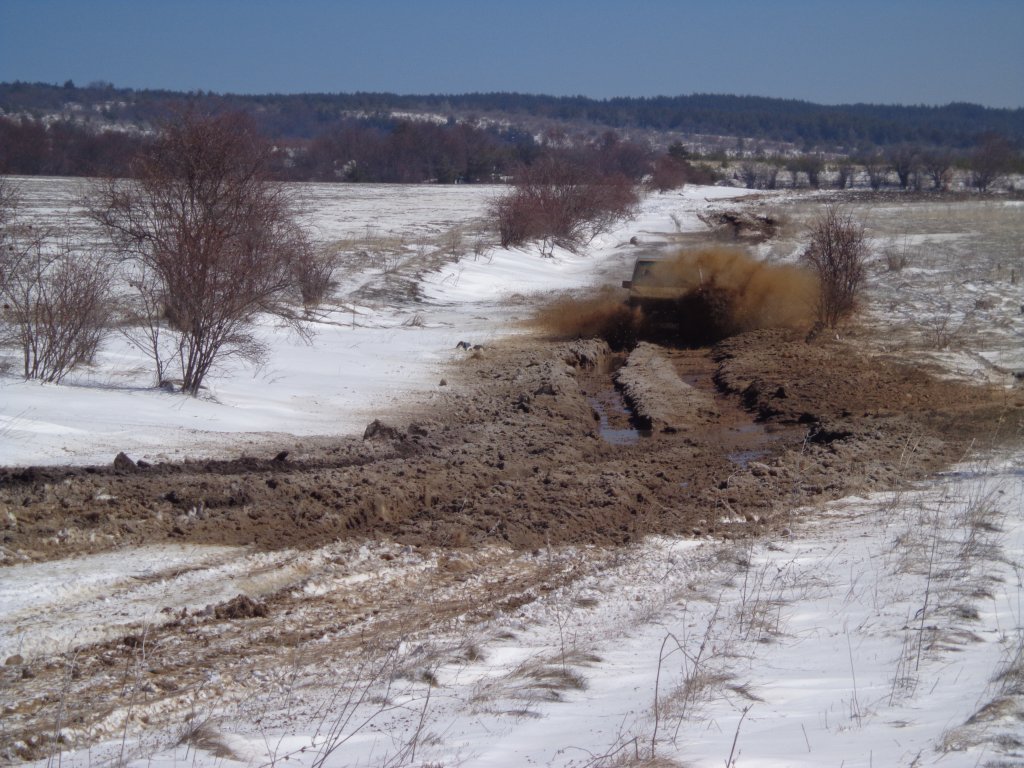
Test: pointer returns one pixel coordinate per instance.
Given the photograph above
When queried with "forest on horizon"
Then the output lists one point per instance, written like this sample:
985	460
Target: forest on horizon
96	129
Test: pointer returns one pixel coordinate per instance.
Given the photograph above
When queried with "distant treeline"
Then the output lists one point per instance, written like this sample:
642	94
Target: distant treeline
369	150
847	128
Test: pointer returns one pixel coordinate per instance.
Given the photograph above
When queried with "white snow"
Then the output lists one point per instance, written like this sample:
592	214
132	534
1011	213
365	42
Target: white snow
362	360
870	636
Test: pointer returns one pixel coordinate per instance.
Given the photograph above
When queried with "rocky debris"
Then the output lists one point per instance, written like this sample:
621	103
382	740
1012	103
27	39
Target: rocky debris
417	430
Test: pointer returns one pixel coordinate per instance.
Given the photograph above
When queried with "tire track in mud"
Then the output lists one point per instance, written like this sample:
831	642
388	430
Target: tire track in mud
460	508
515	456
356	603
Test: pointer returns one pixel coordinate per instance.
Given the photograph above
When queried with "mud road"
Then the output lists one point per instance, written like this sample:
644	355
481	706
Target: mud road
536	444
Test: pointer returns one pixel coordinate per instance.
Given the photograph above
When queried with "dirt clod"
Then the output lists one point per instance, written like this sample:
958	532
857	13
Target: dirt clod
123	463
240	607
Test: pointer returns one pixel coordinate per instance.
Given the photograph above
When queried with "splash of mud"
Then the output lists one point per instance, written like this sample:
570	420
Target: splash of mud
742	293
694	298
602	313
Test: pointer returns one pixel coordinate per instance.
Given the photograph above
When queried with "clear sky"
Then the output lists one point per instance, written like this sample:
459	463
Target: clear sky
826	51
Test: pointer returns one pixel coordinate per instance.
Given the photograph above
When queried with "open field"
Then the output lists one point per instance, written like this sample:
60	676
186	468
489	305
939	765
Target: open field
813	554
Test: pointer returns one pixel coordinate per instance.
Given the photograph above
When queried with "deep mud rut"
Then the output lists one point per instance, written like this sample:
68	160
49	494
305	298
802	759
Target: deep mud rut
537	445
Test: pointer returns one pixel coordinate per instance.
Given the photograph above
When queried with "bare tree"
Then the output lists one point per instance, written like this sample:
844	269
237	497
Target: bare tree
937	165
748	173
54	301
993	158
210	244
811	165
837	253
877	169
844	175
905	160
757	174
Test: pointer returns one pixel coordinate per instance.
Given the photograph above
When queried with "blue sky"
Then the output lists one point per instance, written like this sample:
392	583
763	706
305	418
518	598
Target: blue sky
831	52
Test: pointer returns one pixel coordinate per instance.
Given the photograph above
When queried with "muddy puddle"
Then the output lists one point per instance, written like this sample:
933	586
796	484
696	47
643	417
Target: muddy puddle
617	423
733	431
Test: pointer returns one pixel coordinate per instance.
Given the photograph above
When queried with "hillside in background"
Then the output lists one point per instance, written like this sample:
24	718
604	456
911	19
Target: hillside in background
484	137
304	116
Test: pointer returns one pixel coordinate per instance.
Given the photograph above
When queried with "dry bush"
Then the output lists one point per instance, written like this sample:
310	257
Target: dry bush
897	257
219	243
54	302
56	309
837	253
562	203
759	174
313	272
672	172
202	734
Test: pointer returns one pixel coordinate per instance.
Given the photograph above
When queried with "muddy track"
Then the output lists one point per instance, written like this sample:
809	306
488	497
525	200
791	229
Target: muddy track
537	445
519	455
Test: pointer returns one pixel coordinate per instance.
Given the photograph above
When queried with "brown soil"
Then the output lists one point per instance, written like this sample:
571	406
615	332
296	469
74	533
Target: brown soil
518	455
534	447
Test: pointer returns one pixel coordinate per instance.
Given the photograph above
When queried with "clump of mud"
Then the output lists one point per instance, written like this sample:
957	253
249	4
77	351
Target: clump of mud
694	298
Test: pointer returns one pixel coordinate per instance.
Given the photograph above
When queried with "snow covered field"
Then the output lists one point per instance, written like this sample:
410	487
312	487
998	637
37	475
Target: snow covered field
368	354
885	631
882	631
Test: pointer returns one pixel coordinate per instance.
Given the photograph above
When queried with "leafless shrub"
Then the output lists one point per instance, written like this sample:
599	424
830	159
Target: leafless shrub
54	302
993	158
313	272
809	165
942	317
697	680
905	160
202	734
673	171
562	203
453	242
479	248
218	243
837	253
897	257
937	165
